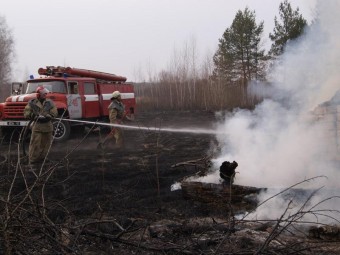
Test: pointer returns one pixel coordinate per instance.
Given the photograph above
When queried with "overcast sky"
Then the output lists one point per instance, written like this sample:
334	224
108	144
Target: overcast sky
124	37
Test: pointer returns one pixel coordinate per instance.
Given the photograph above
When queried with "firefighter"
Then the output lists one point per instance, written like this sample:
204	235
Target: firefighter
116	115
41	111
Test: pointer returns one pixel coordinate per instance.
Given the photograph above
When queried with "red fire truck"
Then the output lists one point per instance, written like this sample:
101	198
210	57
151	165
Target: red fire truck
78	94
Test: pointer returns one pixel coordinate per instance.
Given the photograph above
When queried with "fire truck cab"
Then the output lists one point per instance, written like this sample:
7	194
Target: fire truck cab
78	94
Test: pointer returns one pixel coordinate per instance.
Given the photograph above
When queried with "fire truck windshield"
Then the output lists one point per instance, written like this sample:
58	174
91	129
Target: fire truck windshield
52	86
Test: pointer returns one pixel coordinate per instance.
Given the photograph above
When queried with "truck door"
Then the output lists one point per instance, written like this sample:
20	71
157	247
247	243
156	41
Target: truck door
74	100
91	100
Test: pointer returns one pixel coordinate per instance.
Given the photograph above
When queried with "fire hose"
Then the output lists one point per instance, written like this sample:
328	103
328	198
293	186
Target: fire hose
23	137
155	129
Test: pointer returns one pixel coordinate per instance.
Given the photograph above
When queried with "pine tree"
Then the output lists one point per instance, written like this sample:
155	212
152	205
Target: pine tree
239	54
291	27
224	58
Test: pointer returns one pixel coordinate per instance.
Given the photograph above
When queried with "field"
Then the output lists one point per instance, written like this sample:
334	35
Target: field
86	200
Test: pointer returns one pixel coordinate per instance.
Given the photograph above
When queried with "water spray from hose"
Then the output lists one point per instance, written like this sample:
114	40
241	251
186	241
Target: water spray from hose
172	130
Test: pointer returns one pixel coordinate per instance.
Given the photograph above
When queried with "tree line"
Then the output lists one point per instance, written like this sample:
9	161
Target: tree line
221	81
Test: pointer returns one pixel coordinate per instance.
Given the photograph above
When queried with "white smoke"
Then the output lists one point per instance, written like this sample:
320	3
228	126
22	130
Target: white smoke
278	144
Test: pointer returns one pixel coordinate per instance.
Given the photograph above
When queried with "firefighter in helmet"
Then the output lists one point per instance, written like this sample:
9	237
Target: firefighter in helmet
41	111
116	115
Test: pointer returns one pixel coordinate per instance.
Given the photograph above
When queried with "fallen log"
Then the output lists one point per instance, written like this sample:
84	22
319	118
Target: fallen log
202	161
221	195
202	164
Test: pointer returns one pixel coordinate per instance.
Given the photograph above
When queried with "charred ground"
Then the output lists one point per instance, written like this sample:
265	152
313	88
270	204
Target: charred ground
137	179
119	201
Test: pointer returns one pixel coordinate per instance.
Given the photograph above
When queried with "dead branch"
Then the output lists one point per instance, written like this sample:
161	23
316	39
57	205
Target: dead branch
204	160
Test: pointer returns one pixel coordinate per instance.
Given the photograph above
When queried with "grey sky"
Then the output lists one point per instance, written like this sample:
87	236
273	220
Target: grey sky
124	37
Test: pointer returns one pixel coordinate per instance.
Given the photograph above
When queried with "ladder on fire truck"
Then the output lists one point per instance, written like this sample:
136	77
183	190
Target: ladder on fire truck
60	71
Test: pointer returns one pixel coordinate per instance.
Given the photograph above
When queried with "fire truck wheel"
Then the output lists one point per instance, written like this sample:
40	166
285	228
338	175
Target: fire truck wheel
62	130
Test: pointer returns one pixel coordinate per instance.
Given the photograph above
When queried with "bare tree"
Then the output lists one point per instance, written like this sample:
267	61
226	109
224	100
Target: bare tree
187	84
6	55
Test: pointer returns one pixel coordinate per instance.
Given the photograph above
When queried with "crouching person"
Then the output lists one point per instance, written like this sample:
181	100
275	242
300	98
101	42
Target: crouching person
41	111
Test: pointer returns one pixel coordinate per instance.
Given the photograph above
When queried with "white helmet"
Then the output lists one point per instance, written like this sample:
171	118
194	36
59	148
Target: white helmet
115	94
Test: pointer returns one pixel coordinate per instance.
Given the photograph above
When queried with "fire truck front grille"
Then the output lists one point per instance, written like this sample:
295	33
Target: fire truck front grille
14	111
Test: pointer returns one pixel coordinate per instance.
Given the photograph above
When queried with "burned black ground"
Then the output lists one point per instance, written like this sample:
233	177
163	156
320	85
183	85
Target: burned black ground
119	201
134	181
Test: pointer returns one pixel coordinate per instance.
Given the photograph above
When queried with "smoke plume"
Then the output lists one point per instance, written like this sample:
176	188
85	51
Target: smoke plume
280	143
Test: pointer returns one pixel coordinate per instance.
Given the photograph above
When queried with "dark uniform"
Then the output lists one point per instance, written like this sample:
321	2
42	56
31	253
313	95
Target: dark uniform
41	111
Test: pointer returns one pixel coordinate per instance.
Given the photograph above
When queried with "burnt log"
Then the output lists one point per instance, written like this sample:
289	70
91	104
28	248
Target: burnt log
221	196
